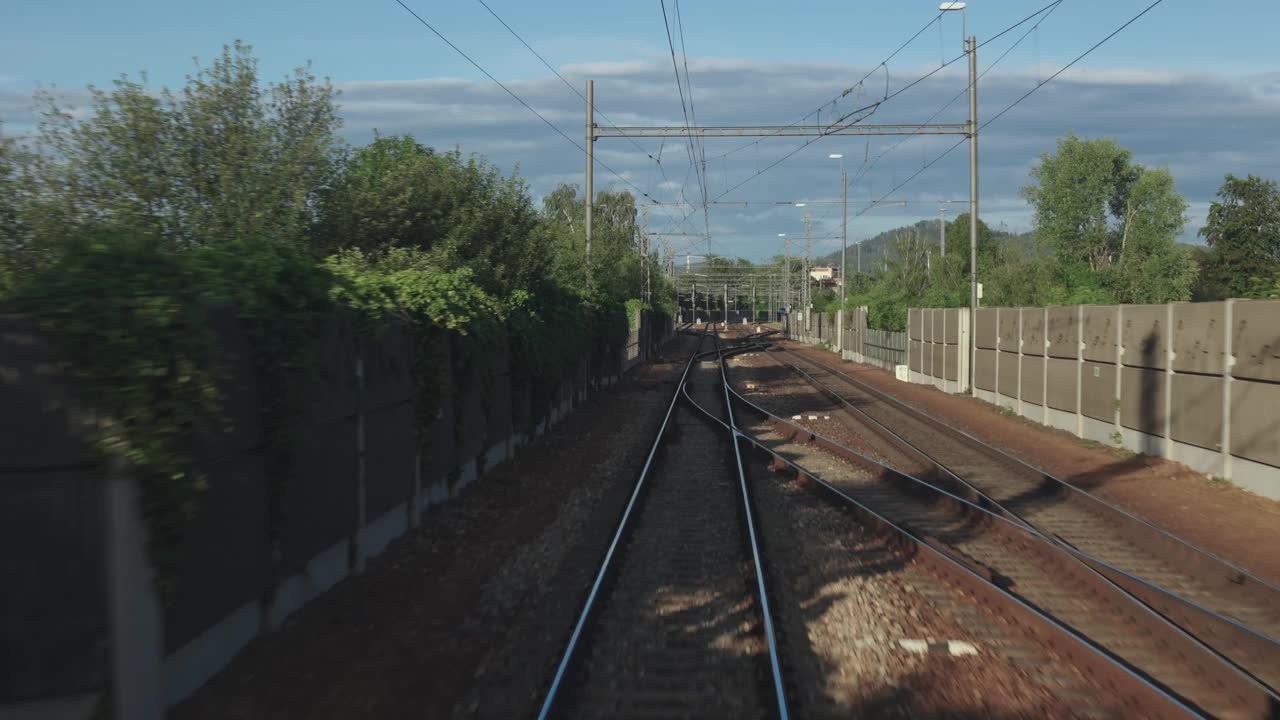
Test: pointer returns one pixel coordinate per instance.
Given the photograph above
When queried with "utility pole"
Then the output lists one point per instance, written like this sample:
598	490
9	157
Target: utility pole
754	315
644	250
806	294
942	230
786	273
973	210
590	189
844	232
726	304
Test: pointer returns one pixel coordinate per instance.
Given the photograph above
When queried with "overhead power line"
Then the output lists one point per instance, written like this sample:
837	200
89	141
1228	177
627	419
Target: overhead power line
520	100
572	89
684	109
1066	67
888	96
1046	10
849	90
1015	103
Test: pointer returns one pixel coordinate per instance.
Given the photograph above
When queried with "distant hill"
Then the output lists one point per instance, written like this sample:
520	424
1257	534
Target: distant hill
875	249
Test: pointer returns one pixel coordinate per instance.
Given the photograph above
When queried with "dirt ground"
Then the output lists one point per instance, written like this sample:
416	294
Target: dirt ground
413	634
1234	524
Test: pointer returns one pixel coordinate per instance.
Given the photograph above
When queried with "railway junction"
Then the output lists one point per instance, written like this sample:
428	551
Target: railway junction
750	527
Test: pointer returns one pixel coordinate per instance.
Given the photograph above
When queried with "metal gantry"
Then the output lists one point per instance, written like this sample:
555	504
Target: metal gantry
851	129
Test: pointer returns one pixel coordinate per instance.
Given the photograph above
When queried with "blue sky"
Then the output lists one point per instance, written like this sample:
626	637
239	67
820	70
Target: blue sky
1191	86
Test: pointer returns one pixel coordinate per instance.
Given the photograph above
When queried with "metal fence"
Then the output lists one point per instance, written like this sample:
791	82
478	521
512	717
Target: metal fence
885	348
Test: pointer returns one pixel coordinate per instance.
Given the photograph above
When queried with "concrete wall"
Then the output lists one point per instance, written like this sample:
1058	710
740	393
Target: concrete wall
53	613
79	610
937	344
1195	382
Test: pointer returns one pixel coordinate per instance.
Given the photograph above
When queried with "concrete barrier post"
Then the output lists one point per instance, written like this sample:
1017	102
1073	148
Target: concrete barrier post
1044	375
1020	361
136	619
357	549
1168	381
995	383
1119	361
1228	363
911	313
1080	371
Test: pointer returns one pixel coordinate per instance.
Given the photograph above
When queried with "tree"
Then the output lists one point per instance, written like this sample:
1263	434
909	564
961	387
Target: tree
396	193
1110	224
1243	232
617	267
228	160
13	235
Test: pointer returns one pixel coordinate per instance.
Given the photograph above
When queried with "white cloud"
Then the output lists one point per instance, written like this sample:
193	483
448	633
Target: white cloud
1200	126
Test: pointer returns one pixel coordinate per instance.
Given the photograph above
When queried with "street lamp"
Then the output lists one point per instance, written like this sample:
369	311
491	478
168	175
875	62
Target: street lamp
786	272
951	7
971	49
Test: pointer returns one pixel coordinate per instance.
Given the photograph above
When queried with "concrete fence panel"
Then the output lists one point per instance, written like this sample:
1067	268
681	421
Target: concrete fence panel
1008	329
1062	332
1255	421
1062	384
1255	339
1033	331
1144	337
1100	333
53	606
985	372
1098	391
985	328
1007	372
951	325
1198	337
1142	404
1197	410
1033	379
1153	378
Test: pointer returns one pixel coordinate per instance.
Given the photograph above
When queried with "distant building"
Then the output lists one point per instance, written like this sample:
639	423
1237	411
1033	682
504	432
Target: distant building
825	276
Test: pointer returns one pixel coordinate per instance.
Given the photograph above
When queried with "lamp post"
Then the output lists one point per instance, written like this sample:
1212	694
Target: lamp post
844	240
971	49
786	272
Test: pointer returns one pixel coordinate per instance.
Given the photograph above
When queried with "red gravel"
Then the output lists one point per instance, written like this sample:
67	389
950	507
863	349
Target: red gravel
1234	524
413	634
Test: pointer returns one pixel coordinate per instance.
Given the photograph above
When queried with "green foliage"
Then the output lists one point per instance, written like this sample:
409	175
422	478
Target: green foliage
1105	232
225	158
129	314
1243	232
1111	224
128	232
395	193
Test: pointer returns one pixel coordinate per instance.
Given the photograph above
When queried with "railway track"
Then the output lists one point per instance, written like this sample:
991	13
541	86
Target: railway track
1236	614
1029	567
677	621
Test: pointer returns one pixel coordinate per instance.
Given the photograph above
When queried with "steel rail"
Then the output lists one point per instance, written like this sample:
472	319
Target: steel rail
1254	652
1246	683
607	566
775	665
1194	618
1153	700
1241	576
